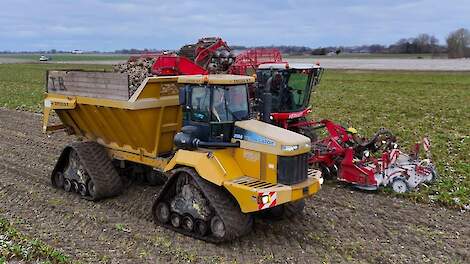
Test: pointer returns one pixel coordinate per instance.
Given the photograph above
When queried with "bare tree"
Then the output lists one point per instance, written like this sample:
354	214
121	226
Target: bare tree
458	43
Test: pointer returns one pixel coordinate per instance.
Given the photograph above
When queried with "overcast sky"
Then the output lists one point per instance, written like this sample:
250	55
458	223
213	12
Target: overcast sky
107	25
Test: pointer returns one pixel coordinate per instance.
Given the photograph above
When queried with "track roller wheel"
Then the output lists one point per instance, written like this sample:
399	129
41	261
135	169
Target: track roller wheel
75	186
217	227
175	220
67	185
162	212
202	228
187	223
82	189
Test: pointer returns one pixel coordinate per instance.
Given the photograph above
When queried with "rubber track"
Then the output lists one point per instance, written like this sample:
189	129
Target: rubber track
97	163
236	223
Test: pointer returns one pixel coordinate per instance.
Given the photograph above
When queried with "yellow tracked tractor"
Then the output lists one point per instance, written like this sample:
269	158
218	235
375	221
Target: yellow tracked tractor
193	130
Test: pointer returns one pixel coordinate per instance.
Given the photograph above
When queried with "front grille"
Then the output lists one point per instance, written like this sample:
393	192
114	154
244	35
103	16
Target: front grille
292	170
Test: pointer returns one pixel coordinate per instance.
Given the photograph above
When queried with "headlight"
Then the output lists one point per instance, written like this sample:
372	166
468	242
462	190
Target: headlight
263	199
289	147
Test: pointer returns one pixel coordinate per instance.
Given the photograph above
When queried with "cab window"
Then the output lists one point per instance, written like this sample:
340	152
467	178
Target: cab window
200	103
229	103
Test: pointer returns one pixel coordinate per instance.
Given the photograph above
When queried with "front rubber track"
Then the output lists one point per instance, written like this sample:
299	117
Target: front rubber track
236	223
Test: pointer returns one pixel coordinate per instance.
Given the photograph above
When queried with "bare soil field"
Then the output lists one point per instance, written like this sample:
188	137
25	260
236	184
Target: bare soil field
339	225
389	64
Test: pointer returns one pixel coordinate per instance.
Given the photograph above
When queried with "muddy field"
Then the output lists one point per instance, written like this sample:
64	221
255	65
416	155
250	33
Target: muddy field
339	225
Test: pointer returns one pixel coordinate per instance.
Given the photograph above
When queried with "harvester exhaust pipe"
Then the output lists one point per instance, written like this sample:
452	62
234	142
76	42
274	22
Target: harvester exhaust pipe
267	101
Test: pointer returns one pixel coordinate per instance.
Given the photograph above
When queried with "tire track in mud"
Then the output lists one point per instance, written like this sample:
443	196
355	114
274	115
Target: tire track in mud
338	225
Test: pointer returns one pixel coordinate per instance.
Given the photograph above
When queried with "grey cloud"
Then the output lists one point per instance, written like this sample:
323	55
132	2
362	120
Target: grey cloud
113	24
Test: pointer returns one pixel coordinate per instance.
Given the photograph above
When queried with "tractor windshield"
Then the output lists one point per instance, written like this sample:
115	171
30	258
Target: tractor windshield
219	103
290	88
298	86
230	103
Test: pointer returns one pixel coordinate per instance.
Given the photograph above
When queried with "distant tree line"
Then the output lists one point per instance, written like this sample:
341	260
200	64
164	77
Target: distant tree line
137	51
423	43
457	46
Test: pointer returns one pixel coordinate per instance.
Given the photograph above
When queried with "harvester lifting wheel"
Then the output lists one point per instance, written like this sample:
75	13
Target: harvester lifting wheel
399	185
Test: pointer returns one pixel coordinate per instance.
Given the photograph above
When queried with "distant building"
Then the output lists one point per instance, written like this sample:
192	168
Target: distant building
77	51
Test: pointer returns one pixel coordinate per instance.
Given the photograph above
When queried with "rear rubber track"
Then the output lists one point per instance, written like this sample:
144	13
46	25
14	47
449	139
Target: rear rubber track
98	165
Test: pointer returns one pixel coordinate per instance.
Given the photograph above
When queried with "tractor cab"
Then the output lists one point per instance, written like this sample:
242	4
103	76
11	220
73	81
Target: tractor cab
289	84
213	103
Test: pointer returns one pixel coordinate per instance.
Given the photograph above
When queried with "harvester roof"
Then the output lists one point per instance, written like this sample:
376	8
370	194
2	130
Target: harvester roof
224	79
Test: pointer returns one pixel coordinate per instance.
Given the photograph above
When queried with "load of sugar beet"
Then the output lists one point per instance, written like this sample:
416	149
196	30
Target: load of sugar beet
137	69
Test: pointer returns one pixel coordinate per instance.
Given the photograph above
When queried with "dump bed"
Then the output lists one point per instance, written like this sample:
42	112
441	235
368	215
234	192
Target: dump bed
97	106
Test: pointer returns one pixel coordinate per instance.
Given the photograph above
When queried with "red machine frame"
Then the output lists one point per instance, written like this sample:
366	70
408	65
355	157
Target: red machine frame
252	58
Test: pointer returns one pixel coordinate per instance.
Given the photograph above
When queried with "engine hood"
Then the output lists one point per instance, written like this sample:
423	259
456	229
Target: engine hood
259	136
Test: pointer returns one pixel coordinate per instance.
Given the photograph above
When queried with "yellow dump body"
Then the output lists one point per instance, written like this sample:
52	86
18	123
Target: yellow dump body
145	124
